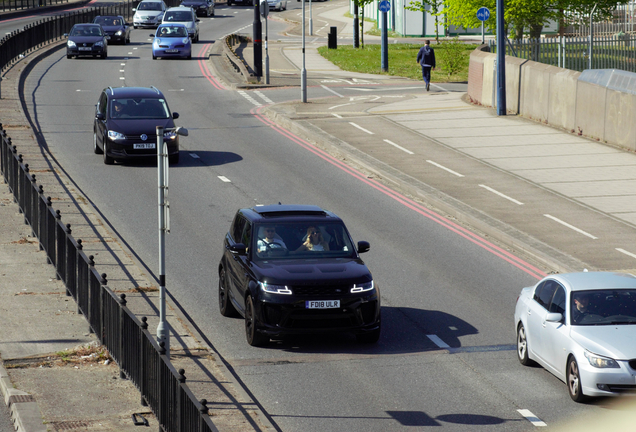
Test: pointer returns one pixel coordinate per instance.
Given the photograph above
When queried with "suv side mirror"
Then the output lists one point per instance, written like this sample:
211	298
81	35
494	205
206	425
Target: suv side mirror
100	116
363	246
175	115
238	248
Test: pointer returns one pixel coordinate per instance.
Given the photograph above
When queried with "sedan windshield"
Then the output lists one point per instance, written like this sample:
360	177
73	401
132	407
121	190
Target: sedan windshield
151	6
305	240
603	307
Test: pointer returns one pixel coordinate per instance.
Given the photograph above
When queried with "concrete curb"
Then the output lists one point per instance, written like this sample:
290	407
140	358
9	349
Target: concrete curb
25	412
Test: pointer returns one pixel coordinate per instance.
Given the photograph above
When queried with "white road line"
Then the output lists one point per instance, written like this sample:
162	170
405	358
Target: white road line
536	421
361	128
334	92
571	226
262	96
224	179
445	169
397	146
500	194
333	114
194	155
626	252
249	98
437	341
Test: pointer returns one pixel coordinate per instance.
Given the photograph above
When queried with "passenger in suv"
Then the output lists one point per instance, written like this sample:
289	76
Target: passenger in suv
149	13
126	120
283	289
184	15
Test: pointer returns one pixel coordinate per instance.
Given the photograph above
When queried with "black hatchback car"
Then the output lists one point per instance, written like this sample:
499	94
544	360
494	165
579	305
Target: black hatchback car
115	27
293	269
201	7
126	120
87	40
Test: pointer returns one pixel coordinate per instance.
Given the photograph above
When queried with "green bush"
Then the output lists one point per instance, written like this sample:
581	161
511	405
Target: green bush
452	56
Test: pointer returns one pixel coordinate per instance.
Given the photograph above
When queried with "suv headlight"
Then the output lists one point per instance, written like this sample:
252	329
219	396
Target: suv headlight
169	135
99	44
601	362
116	135
70	44
274	289
362	287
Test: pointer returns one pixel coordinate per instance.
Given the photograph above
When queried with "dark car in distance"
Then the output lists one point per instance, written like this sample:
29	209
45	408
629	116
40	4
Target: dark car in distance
293	270
201	7
87	40
115	27
125	125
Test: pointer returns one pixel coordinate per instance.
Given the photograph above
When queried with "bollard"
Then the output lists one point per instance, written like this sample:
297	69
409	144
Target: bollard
332	42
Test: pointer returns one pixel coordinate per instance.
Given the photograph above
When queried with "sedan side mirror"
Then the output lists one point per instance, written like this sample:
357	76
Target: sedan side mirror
363	246
175	115
152	35
554	317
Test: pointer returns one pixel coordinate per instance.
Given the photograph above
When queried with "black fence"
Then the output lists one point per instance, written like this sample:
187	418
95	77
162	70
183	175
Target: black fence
127	339
13	5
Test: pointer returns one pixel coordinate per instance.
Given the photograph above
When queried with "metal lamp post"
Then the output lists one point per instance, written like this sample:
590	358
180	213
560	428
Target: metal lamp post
303	72
163	334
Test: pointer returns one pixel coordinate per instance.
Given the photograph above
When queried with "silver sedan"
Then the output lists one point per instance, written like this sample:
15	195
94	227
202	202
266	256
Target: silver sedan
581	327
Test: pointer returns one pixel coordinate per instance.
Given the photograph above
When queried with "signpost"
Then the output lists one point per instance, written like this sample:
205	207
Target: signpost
384	7
482	15
264	12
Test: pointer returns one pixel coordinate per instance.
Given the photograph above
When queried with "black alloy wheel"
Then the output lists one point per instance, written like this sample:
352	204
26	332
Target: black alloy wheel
107	159
225	305
254	338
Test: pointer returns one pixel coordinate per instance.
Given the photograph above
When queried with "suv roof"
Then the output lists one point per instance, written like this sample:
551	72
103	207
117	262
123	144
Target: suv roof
123	92
287	211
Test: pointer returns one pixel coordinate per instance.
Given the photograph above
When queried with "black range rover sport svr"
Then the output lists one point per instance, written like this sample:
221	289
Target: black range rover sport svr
293	269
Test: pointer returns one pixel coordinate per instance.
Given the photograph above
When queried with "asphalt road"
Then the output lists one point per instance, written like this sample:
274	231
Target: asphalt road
441	286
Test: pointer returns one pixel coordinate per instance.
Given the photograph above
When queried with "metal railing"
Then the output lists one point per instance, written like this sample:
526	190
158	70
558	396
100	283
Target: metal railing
622	19
608	52
130	344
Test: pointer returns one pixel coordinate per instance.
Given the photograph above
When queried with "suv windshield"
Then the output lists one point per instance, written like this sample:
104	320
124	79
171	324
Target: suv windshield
87	31
309	240
139	108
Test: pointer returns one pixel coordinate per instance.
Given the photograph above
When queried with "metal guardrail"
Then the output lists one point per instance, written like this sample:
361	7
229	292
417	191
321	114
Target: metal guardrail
608	52
130	344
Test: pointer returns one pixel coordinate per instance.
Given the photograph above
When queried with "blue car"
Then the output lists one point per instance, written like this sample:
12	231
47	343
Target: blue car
171	40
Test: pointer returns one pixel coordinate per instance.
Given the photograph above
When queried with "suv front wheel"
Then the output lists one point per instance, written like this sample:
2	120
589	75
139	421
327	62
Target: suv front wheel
254	338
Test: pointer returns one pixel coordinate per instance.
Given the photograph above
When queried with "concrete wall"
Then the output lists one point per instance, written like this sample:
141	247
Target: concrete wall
557	97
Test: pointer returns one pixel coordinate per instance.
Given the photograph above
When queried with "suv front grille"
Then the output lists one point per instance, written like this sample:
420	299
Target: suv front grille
313	291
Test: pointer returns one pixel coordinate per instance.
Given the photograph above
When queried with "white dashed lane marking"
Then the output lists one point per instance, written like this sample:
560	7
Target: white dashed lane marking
445	169
361	128
572	227
536	421
500	194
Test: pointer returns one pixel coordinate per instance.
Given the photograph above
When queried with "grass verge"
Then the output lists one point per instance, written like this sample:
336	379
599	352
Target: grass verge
452	60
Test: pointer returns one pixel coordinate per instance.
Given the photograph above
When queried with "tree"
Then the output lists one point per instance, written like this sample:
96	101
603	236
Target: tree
362	4
435	7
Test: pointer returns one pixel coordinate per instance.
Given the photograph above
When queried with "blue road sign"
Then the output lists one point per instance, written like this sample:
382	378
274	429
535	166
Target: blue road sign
384	6
483	14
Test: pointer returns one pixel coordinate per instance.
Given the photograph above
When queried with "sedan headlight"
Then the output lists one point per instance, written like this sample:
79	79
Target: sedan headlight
119	33
362	287
274	289
116	135
99	44
71	44
185	40
601	362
